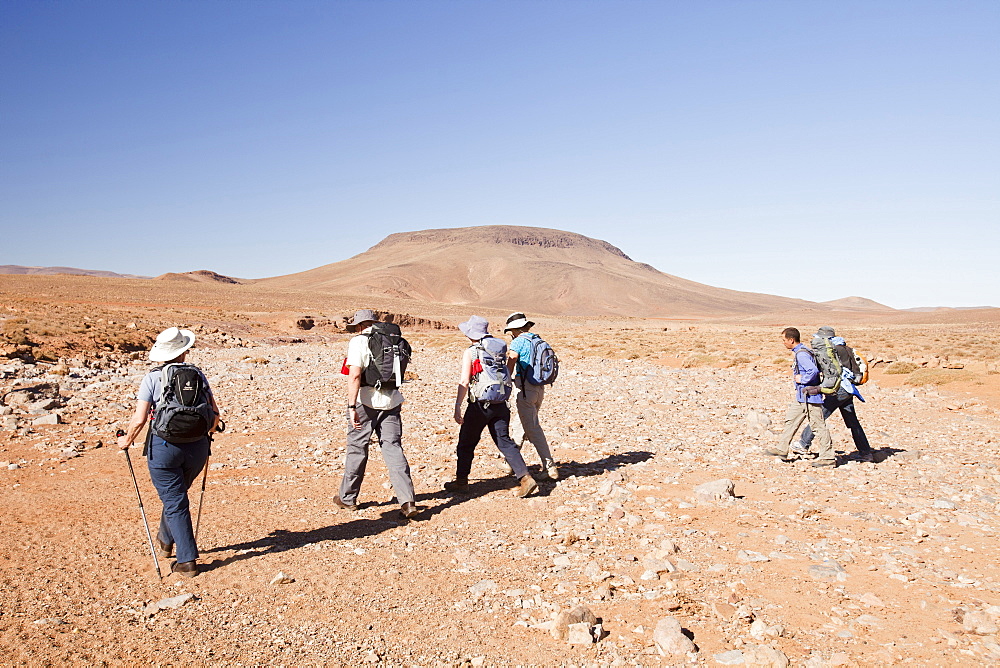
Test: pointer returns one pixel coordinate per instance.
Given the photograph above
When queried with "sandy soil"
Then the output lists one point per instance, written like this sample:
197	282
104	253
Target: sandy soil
866	564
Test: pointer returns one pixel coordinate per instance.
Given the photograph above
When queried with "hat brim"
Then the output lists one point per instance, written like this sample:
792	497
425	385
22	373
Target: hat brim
518	324
160	353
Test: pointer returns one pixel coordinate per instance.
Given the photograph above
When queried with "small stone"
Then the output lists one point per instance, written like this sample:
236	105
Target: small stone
51	418
828	571
733	657
764	656
566	618
751	556
580	634
167	604
281	579
670	639
480	589
979	623
871	600
717	491
945	504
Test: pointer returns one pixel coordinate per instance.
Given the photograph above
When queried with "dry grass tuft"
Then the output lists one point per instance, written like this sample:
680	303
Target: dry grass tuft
938	376
901	367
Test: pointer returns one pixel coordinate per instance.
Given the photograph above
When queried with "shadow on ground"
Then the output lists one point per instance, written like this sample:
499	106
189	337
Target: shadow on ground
281	540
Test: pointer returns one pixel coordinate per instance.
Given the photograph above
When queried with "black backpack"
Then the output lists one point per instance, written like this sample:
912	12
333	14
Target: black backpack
183	411
390	354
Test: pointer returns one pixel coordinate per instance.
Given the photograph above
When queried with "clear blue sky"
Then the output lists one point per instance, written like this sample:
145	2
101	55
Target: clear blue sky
810	149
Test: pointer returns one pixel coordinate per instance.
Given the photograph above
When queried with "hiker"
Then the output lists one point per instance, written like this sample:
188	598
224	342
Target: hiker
484	386
529	394
373	404
843	400
808	406
176	450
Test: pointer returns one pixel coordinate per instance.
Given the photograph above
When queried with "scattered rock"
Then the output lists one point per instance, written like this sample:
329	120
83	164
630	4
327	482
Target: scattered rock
717	491
281	579
828	571
565	618
670	639
167	604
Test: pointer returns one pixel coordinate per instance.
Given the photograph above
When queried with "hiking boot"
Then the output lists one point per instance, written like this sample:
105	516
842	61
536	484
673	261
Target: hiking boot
550	470
783	456
527	486
187	569
800	449
343	504
460	485
163	549
409	510
821	463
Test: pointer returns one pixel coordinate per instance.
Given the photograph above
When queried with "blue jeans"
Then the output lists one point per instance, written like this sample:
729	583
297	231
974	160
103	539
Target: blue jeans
172	468
497	418
845	405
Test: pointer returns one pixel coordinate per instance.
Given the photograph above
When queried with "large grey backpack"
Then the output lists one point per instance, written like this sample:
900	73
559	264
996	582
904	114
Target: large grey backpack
491	382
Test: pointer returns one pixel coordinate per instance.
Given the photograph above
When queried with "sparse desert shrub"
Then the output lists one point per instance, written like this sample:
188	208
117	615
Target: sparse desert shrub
938	376
739	359
901	367
781	361
15	331
259	360
699	360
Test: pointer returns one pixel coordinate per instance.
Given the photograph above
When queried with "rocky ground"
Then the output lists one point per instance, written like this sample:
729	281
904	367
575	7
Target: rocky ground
866	564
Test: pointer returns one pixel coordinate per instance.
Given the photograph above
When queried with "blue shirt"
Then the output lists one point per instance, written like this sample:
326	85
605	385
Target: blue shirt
805	366
522	346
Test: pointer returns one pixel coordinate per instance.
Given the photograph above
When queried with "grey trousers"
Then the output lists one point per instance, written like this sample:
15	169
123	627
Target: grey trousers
529	401
796	416
388	426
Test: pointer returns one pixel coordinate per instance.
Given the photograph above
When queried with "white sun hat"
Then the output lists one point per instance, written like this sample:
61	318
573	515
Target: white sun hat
170	344
517	321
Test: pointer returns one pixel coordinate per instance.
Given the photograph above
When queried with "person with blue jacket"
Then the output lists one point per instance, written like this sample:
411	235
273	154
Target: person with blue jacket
807	408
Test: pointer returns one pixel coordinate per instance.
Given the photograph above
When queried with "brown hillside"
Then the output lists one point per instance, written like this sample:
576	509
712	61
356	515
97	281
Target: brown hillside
200	276
857	304
490	266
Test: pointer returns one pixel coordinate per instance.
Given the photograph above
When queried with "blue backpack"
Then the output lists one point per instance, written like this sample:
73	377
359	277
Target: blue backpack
543	367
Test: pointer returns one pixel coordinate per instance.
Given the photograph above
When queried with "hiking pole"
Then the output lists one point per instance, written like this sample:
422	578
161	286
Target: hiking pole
221	427
142	511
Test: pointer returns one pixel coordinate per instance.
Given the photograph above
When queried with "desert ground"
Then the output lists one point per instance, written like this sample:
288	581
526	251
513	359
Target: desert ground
868	564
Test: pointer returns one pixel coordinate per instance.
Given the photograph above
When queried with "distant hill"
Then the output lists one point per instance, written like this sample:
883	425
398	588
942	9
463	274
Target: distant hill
857	304
200	276
526	268
18	269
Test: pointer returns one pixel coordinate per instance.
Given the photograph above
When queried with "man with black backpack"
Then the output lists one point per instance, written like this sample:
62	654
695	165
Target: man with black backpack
184	413
485	380
376	363
843	399
535	367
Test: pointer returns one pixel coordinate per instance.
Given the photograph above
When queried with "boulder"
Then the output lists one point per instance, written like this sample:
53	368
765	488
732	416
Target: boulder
670	639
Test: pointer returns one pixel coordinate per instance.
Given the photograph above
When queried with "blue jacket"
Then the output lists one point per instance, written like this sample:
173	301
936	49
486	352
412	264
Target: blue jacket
805	366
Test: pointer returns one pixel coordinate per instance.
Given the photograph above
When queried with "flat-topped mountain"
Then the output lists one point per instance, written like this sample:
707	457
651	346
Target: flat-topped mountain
526	268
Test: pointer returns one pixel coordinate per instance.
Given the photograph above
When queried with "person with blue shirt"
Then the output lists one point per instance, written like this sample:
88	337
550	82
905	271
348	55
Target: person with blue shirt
529	396
173	467
808	406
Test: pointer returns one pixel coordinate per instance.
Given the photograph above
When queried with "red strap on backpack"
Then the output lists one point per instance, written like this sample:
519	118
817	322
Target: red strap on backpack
344	369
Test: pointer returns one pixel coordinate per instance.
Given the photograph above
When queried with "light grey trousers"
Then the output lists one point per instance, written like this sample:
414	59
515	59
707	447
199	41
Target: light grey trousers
795	417
529	402
388	426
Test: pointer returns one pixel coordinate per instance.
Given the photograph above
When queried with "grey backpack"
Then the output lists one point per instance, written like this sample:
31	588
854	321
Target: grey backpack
490	382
